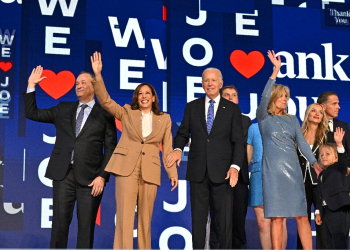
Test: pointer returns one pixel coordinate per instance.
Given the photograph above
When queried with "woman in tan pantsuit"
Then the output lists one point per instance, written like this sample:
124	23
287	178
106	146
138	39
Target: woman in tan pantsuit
135	161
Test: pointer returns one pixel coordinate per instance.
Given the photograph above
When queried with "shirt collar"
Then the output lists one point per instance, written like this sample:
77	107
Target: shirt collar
216	99
330	120
90	103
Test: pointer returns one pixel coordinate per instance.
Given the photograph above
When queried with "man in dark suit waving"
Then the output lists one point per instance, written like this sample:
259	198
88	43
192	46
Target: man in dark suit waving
85	140
330	102
216	155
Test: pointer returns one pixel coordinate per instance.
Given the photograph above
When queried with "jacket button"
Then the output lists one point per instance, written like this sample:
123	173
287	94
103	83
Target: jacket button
142	142
302	164
207	140
143	153
254	170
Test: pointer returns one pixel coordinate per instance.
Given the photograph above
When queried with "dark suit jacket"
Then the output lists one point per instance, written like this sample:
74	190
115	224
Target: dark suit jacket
244	172
331	185
92	148
212	152
303	161
346	142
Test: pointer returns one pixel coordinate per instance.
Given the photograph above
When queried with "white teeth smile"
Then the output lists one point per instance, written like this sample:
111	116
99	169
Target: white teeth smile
145	101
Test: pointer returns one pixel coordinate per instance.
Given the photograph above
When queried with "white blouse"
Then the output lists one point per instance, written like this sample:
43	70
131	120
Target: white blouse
146	123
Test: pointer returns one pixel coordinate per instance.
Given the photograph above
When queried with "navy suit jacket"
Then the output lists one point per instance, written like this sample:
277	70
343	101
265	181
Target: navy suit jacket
331	185
214	152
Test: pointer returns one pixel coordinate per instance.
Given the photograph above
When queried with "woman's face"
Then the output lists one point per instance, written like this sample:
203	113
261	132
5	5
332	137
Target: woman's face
145	98
327	157
281	102
316	114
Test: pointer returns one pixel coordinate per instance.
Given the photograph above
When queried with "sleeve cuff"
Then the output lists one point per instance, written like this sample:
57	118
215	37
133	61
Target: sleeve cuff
317	211
178	149
30	90
236	167
341	150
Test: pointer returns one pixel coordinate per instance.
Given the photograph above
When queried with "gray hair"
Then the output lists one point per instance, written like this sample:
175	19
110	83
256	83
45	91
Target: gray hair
212	69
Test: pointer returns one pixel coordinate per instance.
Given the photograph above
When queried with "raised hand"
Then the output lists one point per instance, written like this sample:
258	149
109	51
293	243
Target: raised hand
35	77
338	136
96	63
276	63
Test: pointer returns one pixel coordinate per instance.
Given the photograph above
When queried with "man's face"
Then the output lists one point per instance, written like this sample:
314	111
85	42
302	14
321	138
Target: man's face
230	94
331	107
83	88
212	83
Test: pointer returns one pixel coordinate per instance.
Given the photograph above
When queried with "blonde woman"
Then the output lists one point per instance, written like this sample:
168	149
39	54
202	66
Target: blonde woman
314	129
283	189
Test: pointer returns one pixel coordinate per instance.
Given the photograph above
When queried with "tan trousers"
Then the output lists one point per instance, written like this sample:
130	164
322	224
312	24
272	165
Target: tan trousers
129	191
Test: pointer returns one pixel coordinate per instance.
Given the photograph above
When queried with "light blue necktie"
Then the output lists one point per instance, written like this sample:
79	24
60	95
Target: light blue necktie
80	119
78	123
210	115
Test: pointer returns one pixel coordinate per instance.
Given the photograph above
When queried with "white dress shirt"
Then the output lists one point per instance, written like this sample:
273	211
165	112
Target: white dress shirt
330	125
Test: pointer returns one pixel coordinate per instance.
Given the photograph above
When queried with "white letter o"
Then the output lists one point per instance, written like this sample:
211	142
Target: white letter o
164	237
186	51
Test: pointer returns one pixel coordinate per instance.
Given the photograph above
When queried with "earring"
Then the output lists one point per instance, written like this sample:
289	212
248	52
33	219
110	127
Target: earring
153	100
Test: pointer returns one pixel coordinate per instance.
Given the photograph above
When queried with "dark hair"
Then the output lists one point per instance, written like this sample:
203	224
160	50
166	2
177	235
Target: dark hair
323	98
229	87
85	72
155	104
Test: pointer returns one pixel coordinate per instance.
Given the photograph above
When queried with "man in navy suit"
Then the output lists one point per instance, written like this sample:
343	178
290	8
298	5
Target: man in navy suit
85	140
330	102
215	157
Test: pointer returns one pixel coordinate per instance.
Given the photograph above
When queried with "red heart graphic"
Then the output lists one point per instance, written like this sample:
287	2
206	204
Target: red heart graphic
58	85
247	65
5	66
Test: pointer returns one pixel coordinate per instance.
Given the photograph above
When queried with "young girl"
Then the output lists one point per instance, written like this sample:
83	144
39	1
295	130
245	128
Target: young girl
333	200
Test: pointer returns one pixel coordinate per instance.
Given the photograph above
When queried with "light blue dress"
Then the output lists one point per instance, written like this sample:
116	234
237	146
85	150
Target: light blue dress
255	197
283	186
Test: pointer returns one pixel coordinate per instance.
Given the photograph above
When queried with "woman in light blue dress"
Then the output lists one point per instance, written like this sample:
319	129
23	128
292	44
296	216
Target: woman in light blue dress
283	187
255	198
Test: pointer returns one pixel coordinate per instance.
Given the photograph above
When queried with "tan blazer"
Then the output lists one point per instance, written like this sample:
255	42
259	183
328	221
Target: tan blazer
131	143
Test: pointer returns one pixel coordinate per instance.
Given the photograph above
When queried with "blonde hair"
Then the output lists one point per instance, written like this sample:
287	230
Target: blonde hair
276	93
322	128
333	148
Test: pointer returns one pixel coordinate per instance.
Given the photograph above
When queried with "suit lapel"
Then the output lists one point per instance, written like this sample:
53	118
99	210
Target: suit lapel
73	113
135	118
157	123
201	112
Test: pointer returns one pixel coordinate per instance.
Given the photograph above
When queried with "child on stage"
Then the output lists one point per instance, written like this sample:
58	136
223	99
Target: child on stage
333	200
